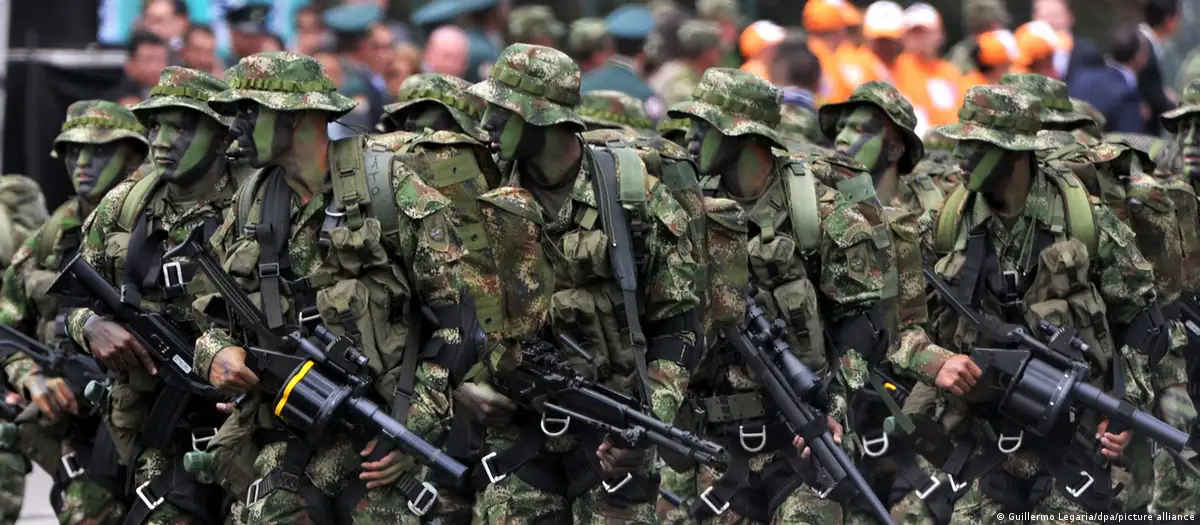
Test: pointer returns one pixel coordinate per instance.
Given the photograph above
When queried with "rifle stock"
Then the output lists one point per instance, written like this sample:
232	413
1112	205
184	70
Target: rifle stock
76	369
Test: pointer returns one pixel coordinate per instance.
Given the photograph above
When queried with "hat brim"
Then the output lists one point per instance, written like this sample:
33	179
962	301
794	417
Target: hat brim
144	108
914	147
468	124
1170	119
333	102
1058	116
729	125
85	135
538	112
1043	140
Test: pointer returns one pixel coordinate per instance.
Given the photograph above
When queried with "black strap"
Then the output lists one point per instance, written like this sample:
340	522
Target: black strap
1147	333
163	422
177	488
271	232
737	489
976	257
664	345
514	459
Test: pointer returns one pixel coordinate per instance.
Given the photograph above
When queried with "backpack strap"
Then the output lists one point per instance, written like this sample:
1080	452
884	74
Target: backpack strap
802	195
134	201
1080	222
928	193
378	181
244	201
346	173
947	225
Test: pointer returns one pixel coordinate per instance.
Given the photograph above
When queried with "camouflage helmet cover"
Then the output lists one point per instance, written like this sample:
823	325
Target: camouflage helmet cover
99	122
540	84
897	109
447	91
735	103
1189	103
614	109
180	87
282	81
1002	116
1056	103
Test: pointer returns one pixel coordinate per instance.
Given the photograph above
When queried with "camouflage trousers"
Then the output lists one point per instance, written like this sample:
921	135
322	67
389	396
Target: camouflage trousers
12	486
911	510
151	464
977	508
1175	490
86	502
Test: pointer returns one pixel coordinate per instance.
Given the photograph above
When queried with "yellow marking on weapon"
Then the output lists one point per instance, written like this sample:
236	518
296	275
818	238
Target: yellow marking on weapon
287	391
889	387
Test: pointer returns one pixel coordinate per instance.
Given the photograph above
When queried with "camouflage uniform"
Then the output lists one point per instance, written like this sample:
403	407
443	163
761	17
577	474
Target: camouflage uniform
1108	291
694	37
540	87
842	267
359	274
426	90
934	178
799	129
978	16
25	306
603	109
534	24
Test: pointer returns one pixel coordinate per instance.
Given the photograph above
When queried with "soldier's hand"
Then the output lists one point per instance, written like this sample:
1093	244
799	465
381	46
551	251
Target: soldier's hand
1111	445
225	408
114	346
487	405
958	374
51	396
835	428
229	373
619	461
383	472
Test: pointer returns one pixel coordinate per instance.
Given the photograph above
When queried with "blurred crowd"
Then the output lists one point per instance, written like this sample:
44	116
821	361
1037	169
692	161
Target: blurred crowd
657	51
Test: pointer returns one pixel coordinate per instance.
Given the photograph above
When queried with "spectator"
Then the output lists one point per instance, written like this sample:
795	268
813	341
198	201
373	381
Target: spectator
629	26
993	54
1038	43
979	17
798	71
406	63
534	24
483	21
825	22
168	19
1076	54
1161	21
588	43
247	29
1113	87
310	31
758	46
366	49
200	49
883	28
446	52
932	85
333	66
272	42
726	14
145	63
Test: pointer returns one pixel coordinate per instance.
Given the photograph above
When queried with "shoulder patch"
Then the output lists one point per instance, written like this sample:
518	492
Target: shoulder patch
414	197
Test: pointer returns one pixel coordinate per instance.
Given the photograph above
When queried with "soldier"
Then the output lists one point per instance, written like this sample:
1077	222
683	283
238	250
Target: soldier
484	21
628	26
733	119
534	24
433	101
350	255
1008	261
979	17
189	185
699	46
101	143
532	95
934	177
247	29
588	43
674	130
727	14
800	129
614	110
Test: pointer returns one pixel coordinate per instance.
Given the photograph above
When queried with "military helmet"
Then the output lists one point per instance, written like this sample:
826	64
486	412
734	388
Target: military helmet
282	81
1004	117
897	109
540	84
531	21
99	122
447	91
1189	103
180	87
614	109
735	103
1056	103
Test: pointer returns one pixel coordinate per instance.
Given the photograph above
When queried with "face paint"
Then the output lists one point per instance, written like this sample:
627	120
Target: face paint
505	131
1189	144
96	168
986	165
430	116
184	144
263	133
862	137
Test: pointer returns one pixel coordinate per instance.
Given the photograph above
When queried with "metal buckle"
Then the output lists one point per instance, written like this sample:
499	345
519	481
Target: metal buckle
268	270
1012	280
956	486
416	506
1076	492
1155	448
308	315
564	421
711	505
140	491
73	470
1002	439
761	435
613	488
170	269
487	469
200	444
822	494
867	443
922	494
252	492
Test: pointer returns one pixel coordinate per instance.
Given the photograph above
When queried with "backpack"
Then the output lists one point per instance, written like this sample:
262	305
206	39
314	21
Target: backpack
22	211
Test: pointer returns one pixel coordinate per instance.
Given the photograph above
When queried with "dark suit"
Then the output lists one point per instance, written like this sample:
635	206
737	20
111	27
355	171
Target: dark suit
1084	55
1150	86
1107	89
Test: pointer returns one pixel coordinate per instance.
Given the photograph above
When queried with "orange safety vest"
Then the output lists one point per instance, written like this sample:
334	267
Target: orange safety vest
934	87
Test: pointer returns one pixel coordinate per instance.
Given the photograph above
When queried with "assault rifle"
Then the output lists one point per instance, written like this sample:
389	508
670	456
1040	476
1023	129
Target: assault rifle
314	386
77	370
550	386
798	395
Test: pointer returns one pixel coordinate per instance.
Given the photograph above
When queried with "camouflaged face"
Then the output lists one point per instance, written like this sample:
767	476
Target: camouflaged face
538	83
735	102
1056	103
698	35
897	109
282	81
1189	102
533	21
99	122
180	87
614	109
587	35
1002	116
448	91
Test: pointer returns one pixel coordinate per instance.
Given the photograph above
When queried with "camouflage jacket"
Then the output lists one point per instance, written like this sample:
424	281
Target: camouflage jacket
679	89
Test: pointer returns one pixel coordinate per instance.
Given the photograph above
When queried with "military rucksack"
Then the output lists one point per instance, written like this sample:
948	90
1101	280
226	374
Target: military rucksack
22	210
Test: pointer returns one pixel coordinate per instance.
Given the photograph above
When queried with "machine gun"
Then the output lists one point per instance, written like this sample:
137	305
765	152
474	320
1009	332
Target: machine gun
76	369
314	386
550	386
800	399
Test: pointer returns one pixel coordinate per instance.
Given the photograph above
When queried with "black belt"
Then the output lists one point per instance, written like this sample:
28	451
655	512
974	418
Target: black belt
177	487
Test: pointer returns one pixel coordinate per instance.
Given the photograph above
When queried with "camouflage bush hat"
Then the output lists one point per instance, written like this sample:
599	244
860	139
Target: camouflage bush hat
718	9
697	35
897	108
1189	102
586	36
532	21
538	83
735	102
448	91
614	109
99	122
282	81
935	141
1056	103
180	87
1084	108
1005	117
